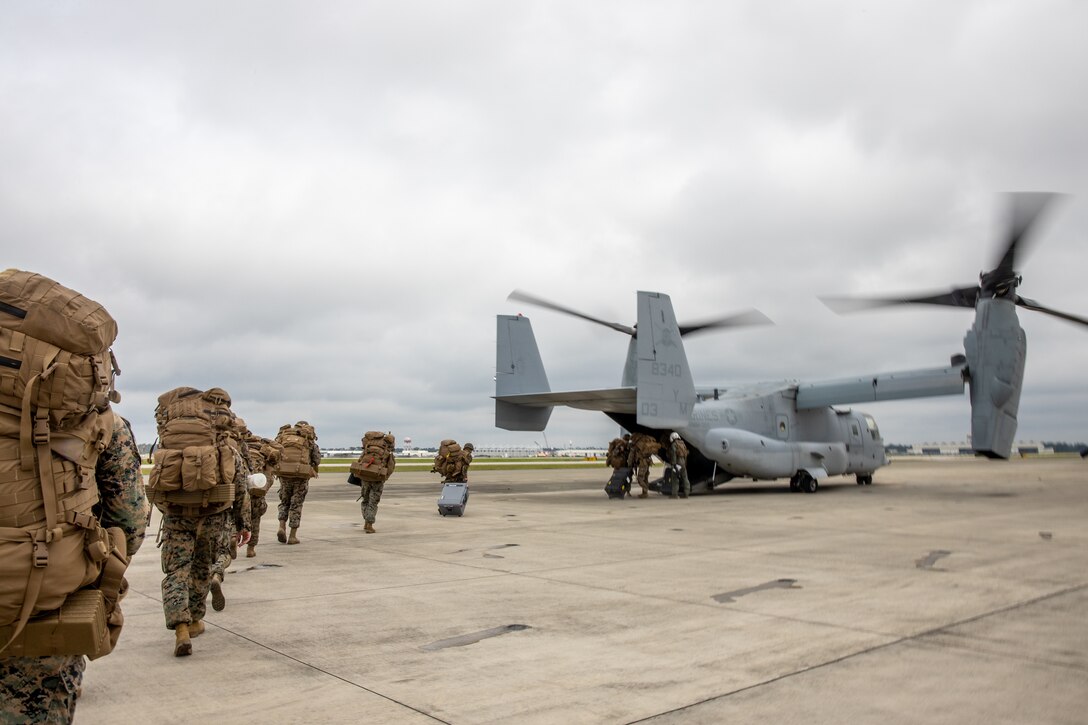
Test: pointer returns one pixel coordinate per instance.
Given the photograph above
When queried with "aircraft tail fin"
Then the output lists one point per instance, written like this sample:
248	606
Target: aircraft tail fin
666	391
518	370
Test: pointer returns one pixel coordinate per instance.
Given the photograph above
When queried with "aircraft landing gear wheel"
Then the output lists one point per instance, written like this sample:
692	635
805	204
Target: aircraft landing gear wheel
795	483
865	480
808	483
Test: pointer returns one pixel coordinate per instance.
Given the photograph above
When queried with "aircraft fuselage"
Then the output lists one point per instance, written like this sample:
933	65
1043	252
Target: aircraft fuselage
765	437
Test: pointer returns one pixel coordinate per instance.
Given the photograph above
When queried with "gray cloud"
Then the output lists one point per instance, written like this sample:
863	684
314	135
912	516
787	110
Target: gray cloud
322	207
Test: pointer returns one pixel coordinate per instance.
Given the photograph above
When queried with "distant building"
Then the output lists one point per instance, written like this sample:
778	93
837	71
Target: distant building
962	448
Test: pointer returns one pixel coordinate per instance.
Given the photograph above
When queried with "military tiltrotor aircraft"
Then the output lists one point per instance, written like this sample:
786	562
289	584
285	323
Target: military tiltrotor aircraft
785	430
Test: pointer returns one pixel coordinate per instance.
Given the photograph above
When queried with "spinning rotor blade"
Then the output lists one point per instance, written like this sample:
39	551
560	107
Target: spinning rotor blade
740	319
956	297
532	300
1033	305
1025	209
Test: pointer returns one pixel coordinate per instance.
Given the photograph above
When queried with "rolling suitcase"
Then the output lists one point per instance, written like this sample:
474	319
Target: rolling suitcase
619	484
453	499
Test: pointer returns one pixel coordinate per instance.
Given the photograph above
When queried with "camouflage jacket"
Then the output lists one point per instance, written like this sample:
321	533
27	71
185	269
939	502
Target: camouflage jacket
121	499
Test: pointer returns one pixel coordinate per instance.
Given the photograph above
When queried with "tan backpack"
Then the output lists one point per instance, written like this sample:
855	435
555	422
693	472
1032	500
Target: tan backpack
646	445
376	463
194	469
297	442
444	462
60	571
617	453
264	454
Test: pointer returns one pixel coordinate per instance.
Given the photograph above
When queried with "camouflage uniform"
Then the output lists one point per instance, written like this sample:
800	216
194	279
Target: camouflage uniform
371	493
230	551
292	495
293	492
258	506
44	689
619	450
642	449
678	459
263	455
190	547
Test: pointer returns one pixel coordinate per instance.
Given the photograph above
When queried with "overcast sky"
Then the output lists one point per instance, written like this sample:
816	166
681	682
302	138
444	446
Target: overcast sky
321	207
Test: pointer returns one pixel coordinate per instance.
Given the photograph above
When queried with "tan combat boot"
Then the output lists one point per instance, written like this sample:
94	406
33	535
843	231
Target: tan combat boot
196	628
218	600
293	538
183	646
281	535
369	528
251	551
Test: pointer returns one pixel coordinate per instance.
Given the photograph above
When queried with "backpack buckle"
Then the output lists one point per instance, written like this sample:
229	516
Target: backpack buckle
41	554
40	436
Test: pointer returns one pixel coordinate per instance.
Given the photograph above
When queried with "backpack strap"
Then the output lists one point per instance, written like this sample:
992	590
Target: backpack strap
37	573
35	440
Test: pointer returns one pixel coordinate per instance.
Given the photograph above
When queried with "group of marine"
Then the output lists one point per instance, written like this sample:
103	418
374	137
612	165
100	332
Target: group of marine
74	508
632	455
210	477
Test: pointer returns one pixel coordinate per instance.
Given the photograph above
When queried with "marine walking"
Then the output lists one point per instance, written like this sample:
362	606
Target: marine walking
72	504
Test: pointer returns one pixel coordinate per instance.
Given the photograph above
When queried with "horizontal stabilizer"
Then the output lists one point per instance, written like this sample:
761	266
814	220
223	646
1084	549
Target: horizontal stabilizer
886	386
607	400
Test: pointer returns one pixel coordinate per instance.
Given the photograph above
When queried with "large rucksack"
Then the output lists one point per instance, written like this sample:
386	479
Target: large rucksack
194	467
376	463
646	445
56	383
447	449
263	455
617	453
298	443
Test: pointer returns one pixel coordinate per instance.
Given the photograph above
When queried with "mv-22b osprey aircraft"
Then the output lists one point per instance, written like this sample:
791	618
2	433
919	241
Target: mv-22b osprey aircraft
784	430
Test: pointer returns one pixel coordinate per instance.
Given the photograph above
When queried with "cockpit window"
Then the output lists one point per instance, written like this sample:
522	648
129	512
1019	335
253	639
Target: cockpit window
873	430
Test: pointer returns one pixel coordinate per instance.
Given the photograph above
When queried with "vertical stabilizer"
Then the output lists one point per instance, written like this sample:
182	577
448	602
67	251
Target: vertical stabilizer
518	370
666	392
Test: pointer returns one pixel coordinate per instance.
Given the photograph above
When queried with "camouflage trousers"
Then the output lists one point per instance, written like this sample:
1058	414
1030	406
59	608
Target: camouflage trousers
40	689
258	506
292	496
222	563
372	494
190	548
643	476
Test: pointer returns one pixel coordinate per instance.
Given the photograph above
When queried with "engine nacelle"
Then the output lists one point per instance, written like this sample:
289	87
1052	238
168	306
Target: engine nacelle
996	348
745	453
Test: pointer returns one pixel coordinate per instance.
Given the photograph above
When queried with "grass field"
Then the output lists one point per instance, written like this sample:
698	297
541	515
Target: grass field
478	464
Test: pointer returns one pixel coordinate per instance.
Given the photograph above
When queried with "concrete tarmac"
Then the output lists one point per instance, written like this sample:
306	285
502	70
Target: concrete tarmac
946	592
